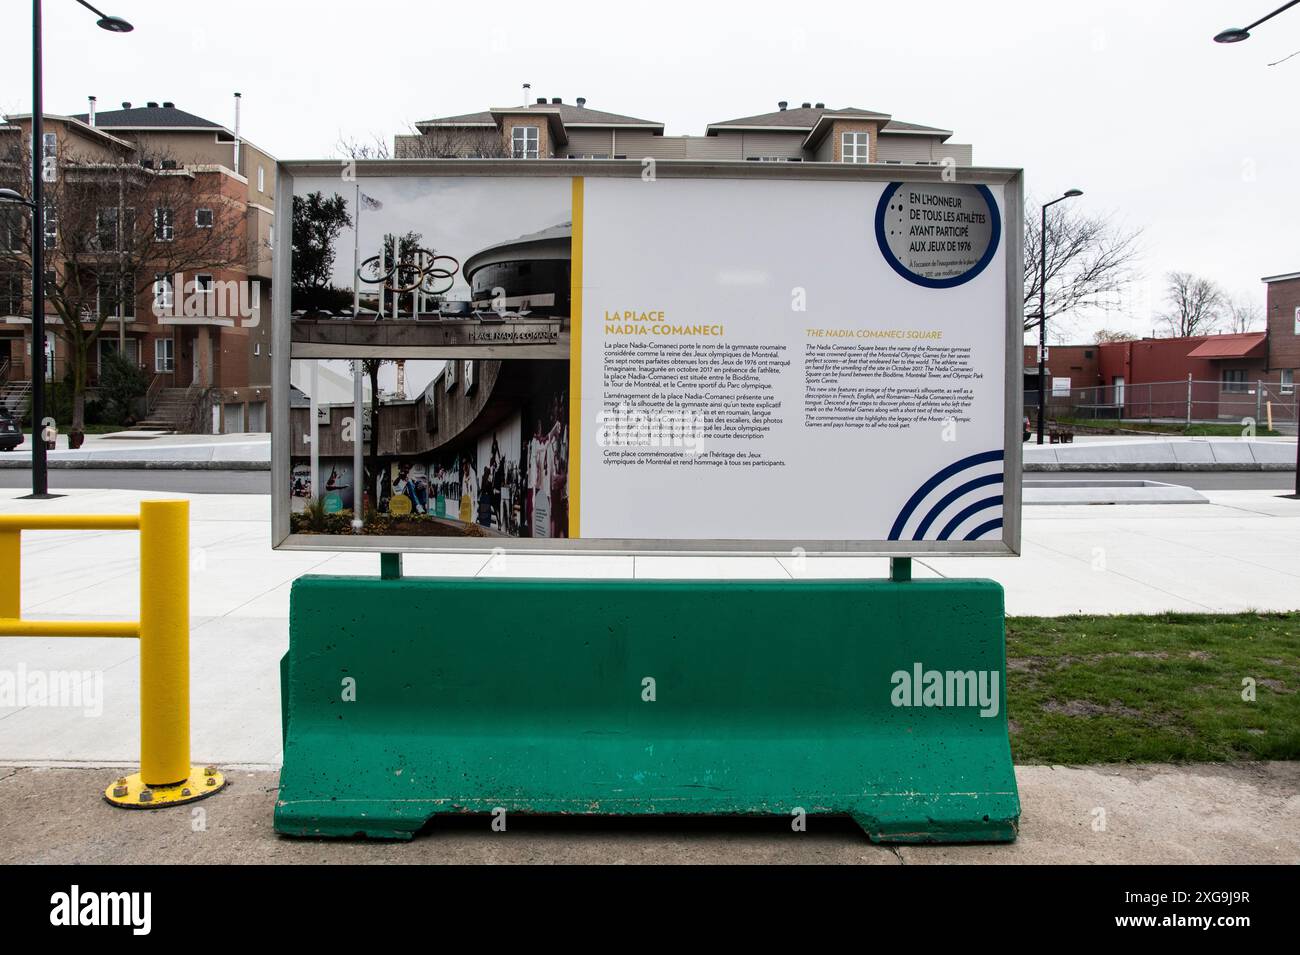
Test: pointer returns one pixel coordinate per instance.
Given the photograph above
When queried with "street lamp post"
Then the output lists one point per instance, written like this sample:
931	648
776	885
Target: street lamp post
40	476
1236	35
1042	307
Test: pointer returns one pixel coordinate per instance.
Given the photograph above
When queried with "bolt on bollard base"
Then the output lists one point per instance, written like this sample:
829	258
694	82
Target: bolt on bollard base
132	792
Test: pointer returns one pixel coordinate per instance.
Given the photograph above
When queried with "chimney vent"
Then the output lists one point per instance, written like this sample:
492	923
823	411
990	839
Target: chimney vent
807	105
238	144
91	117
126	104
168	105
541	101
782	105
556	100
152	105
527	87
821	105
582	101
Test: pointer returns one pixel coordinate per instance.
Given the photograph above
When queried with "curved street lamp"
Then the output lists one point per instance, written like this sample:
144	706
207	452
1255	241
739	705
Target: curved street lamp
1237	34
40	474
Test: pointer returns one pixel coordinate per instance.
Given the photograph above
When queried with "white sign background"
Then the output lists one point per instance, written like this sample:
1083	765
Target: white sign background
735	252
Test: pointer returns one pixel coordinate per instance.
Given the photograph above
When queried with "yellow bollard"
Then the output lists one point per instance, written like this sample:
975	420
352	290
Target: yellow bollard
166	776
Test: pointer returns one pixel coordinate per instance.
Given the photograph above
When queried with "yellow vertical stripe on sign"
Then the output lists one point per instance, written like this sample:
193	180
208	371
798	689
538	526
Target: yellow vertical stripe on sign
575	364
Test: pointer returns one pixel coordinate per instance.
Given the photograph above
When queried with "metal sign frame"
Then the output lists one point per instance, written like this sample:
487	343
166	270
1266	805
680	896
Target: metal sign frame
283	354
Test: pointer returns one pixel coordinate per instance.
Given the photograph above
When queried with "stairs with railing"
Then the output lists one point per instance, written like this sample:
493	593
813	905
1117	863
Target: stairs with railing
14	395
172	411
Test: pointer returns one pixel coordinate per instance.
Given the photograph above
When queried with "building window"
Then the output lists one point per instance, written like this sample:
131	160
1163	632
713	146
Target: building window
203	285
116	296
11	229
203	218
270	237
1234	380
525	142
261	179
164	224
164	295
855	147
50	225
1288	381
110	229
50	157
108	346
164	356
11	294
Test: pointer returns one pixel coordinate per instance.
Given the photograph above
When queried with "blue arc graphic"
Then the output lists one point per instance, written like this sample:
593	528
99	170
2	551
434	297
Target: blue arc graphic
932	514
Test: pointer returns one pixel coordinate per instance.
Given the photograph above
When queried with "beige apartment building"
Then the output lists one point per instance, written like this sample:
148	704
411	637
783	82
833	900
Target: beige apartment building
810	132
208	374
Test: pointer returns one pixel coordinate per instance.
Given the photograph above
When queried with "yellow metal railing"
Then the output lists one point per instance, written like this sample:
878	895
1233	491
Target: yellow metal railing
166	776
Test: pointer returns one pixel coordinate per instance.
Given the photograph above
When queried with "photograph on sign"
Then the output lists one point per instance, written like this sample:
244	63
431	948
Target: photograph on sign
416	264
738	362
482	462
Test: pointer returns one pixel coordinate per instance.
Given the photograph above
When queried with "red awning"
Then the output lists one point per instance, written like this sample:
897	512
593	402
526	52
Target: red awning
1247	345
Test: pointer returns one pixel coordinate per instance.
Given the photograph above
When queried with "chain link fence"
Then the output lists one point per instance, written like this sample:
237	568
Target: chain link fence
1267	404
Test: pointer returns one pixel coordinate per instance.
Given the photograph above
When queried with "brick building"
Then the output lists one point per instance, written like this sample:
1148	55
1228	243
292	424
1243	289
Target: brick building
209	373
1232	377
554	129
1282	311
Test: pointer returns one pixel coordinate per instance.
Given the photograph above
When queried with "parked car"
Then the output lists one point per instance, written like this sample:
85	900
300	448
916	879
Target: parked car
11	434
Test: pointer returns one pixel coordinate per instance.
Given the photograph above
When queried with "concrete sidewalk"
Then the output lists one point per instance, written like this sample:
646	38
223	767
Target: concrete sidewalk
1235	553
1162	453
1087	453
1244	813
145	449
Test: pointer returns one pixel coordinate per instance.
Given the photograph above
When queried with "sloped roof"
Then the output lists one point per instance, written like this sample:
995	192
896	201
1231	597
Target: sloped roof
569	114
148	117
1240	345
800	118
898	126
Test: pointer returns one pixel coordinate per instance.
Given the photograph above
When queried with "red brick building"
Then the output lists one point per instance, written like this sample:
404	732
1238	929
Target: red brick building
209	374
1283	314
1231	376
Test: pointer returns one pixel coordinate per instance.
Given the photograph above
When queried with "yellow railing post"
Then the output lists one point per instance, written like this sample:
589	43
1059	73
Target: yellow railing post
11	562
166	777
164	642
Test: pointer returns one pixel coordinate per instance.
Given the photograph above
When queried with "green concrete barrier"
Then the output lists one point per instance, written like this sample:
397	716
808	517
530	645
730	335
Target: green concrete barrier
884	701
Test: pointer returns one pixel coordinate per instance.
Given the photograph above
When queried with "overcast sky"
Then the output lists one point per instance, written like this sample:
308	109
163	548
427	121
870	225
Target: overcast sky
1193	142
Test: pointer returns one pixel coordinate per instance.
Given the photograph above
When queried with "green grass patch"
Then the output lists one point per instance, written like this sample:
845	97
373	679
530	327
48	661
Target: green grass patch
1164	688
1201	430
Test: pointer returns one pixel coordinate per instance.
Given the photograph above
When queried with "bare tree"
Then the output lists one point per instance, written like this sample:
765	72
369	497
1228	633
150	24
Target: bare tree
1196	305
1243	314
438	142
111	229
1090	260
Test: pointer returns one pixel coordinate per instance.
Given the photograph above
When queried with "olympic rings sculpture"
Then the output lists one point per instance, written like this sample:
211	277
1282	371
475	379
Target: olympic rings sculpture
418	269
